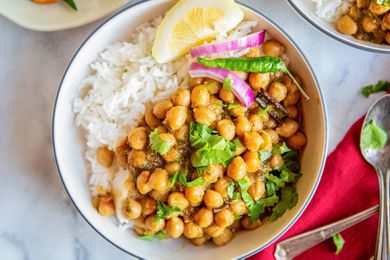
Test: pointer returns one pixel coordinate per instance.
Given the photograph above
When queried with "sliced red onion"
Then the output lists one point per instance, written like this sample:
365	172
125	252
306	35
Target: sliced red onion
242	91
249	41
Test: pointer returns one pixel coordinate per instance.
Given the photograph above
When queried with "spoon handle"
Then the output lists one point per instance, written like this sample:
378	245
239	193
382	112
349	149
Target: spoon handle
382	241
296	245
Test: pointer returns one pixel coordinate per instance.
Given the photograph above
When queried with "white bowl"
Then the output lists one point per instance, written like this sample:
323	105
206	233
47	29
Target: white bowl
58	16
69	145
307	10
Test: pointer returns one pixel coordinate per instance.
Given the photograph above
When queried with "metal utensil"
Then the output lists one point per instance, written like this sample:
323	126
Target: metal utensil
291	247
380	160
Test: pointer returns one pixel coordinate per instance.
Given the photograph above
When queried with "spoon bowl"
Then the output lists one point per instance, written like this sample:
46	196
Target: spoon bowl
380	160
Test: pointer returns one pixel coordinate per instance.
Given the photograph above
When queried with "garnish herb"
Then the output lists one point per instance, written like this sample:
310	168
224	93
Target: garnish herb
383	2
228	83
72	4
231	191
164	210
237	142
373	136
280	149
233	106
264	111
211	84
339	242
160	235
257	65
211	147
237	217
159	145
181	177
265	155
289	199
378	87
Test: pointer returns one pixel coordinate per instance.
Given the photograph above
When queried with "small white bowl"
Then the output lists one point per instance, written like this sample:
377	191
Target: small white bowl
69	145
307	10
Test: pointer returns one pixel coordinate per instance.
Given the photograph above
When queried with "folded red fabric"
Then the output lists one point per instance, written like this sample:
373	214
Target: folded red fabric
349	185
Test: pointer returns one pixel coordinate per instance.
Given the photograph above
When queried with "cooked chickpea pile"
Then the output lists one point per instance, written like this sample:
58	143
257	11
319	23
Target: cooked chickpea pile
204	211
368	21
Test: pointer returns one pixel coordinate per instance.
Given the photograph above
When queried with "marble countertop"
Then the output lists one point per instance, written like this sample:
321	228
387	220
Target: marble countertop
37	219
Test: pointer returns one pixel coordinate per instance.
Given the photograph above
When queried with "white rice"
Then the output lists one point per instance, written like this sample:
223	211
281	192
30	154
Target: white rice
122	81
332	10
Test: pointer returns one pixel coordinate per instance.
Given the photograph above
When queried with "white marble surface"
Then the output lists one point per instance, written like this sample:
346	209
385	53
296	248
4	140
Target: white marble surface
37	221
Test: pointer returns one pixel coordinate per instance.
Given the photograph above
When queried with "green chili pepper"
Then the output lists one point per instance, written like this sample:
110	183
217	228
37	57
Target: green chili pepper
264	64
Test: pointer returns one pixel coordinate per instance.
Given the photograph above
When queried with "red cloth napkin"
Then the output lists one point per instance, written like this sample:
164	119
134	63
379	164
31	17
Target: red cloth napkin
349	185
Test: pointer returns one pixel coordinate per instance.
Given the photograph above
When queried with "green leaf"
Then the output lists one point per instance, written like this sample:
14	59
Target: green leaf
237	217
383	2
211	84
72	4
339	242
265	155
173	179
196	182
159	235
231	191
289	199
182	179
264	111
164	211
282	149
218	104
159	145
201	170
381	85
228	83
373	136
233	106
237	142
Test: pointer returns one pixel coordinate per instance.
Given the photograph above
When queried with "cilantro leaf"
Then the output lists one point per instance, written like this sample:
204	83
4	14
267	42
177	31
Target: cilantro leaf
228	83
237	217
289	199
159	145
233	106
173	179
196	182
159	235
72	4
282	149
265	155
181	177
373	136
381	85
165	210
339	242
231	191
264	111
383	2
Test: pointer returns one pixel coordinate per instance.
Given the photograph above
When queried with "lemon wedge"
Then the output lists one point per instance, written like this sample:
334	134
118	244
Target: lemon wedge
190	23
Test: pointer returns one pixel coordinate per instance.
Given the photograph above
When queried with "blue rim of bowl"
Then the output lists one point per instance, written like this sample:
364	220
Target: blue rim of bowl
338	38
289	225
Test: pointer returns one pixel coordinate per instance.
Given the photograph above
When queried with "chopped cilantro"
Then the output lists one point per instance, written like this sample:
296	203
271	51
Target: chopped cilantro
381	85
264	111
164	211
265	155
282	149
339	242
288	200
231	190
159	145
159	235
233	106
373	136
228	83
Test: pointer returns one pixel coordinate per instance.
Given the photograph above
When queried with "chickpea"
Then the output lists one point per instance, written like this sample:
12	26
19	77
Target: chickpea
182	134
161	129
191	230
204	217
176	117
259	81
192	82
137	138
346	25
291	87
148	206
194	195
172	155
224	218
293	111
378	9
253	52
132	209
237	168
252	161
142	182
212	86
240	150
178	199
235	226
273	48
158	195
216	105
226	129
122	153
200	241
370	24
159	180
213	173
204	115
137	158
175	227
221	186
167	137
181	97
291	99
171	168
154	224
362	3
151	119
278	91
104	156
106	206
267	141
250	225
214	231
296	141
238	207
387	37
226	95
200	96
242	125
225	238
288	128
242	74
253	141
276	161
386	22
273	134
257	189
355	13
238	111
256	123
264	117
212	199
161	108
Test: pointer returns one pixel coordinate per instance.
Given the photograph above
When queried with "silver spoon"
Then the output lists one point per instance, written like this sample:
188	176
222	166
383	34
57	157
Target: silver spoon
380	160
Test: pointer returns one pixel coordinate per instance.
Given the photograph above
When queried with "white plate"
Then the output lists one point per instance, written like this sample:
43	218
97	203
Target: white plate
307	10
69	145
57	16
